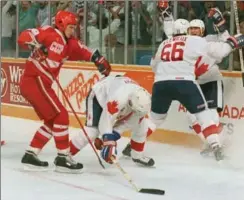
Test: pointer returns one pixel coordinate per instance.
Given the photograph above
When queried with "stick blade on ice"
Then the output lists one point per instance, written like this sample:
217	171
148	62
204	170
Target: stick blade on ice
152	191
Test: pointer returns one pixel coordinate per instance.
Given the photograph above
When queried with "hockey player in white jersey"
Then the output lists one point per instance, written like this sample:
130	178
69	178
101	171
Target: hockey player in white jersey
175	65
210	82
114	105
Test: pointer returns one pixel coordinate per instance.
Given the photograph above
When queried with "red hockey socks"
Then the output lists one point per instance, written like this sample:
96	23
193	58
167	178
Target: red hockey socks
40	139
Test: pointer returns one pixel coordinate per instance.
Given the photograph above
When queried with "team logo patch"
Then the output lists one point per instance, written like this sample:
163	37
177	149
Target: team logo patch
112	107
4	83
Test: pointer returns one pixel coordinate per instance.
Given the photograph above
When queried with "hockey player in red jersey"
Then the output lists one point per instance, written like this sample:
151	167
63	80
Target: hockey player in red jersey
50	48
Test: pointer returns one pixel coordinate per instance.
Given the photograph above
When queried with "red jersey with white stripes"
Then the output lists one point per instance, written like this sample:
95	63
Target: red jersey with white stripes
59	49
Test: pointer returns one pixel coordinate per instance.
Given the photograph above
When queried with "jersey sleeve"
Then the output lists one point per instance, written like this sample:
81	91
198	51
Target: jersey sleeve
221	37
157	58
204	54
79	51
168	25
32	35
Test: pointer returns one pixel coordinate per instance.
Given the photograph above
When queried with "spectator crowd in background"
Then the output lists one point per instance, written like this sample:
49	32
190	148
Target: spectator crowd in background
106	26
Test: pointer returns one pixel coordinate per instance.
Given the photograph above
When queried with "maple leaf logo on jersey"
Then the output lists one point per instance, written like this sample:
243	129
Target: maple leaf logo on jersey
112	107
200	66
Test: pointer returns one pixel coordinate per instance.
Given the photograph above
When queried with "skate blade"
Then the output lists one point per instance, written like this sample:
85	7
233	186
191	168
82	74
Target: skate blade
67	170
33	168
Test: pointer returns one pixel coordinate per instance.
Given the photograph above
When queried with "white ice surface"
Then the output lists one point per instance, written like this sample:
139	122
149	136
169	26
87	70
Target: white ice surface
181	172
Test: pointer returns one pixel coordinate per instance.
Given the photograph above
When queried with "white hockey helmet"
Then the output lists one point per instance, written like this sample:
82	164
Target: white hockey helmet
197	23
140	101
180	26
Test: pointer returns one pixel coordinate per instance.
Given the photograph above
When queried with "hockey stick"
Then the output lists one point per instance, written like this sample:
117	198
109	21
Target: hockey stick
238	32
129	179
73	111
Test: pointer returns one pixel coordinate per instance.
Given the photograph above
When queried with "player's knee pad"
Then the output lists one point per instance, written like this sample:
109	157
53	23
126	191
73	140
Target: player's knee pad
48	125
191	118
62	118
205	118
215	116
80	140
157	119
145	129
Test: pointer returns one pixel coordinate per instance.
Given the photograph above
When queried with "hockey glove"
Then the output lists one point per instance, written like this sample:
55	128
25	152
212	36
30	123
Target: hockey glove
98	143
164	9
236	42
218	19
109	148
102	64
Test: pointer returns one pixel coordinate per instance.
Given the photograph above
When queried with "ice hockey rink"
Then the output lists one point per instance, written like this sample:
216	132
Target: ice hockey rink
181	172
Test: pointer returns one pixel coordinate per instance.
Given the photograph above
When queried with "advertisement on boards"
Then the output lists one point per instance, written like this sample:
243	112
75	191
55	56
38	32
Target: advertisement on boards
232	115
10	80
77	83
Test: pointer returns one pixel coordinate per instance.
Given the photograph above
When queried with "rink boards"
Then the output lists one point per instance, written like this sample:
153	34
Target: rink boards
77	78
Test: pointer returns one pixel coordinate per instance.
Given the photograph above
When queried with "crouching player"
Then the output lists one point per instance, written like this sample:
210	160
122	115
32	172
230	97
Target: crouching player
114	105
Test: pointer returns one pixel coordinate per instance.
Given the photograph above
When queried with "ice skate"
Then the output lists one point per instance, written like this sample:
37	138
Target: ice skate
65	164
127	150
218	153
206	150
32	162
142	160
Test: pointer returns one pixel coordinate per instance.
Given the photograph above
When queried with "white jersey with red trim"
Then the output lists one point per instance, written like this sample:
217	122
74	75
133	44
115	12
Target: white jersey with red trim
185	57
113	94
59	49
213	74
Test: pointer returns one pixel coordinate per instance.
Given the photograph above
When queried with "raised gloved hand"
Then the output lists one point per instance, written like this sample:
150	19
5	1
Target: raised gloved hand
218	19
164	9
102	64
109	148
236	42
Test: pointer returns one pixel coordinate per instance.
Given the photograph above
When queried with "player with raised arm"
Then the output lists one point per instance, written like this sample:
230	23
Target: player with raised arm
176	64
50	48
210	82
114	105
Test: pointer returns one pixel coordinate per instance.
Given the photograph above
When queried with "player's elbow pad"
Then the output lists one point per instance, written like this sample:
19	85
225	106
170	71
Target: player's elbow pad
24	38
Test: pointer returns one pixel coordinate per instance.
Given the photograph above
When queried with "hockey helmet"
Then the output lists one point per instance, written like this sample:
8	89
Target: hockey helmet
65	18
140	101
180	26
197	23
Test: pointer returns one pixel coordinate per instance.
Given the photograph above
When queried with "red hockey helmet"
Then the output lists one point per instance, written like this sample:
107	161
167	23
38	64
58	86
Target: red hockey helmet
65	18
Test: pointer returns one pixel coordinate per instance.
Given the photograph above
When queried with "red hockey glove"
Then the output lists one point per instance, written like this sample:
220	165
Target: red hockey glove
102	64
218	19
